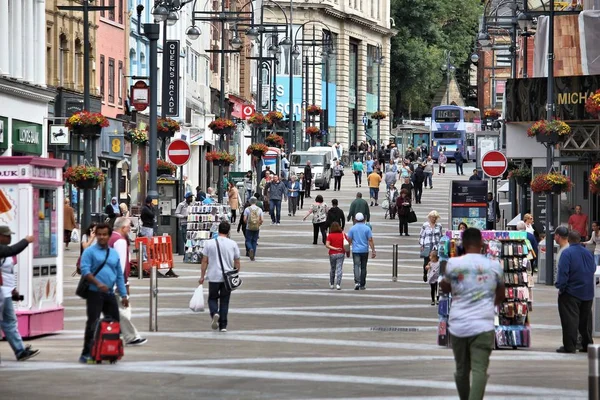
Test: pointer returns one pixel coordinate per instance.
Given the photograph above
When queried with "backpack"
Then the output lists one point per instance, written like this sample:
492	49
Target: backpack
253	220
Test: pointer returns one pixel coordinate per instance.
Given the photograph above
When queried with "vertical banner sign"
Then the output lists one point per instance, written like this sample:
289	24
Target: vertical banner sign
170	100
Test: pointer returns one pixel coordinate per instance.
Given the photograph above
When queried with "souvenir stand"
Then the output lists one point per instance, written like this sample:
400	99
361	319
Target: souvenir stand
514	252
203	224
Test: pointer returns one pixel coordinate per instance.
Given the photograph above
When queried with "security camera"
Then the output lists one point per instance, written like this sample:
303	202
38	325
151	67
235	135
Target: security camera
393	22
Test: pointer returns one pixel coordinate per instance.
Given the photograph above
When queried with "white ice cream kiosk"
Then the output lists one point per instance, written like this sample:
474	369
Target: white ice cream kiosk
31	203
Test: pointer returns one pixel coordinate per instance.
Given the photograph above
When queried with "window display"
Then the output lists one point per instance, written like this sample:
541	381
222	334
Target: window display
46	228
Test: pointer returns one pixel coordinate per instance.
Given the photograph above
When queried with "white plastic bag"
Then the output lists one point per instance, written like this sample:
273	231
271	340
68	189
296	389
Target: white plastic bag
75	236
197	301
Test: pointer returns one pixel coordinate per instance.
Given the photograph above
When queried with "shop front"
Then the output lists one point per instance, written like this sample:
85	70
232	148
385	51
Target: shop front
112	150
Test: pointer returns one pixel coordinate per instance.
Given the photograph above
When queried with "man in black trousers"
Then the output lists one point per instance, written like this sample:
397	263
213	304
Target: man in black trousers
307	179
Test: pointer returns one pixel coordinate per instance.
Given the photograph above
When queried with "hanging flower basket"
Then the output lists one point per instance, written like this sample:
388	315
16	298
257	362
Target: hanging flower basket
314	110
137	136
274	140
166	127
595	179
273	117
554	131
163	168
378	115
313	130
84	177
257	150
220	158
491	113
222	126
257	120
592	104
89	125
521	175
551	183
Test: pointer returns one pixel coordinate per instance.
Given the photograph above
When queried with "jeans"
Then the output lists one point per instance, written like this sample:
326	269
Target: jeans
337	265
248	194
575	315
292	205
251	240
374	193
97	303
360	268
321	226
218	301
358	177
148	232
597	259
10	328
183	238
429	177
459	166
472	357
418	192
338	183
275	210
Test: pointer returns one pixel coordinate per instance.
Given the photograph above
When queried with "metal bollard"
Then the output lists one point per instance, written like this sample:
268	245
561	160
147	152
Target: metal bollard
593	351
394	263
140	261
153	299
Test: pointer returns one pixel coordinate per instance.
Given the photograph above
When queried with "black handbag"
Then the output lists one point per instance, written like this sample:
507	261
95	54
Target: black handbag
412	217
231	278
83	287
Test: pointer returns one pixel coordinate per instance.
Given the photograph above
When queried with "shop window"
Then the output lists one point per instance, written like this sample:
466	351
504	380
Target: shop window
120	11
120	83
46	229
102	76
111	80
111	12
102	12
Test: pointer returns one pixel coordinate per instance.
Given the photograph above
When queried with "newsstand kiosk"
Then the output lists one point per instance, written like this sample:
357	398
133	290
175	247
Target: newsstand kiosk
31	203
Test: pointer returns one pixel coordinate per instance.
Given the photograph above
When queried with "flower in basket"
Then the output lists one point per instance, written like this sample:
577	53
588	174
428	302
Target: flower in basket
220	156
378	115
491	113
550	182
256	119
220	124
275	140
592	104
520	174
86	118
78	174
138	136
595	179
162	165
167	125
257	148
274	117
544	127
313	130
313	109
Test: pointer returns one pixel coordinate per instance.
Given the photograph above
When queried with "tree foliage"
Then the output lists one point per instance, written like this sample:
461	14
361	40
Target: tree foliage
426	28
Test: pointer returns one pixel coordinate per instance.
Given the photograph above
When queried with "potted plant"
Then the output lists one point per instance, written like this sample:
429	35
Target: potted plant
491	113
257	120
592	104
314	109
551	183
138	136
84	176
220	158
274	140
521	175
378	115
595	179
549	131
166	127
163	168
87	124
257	149
273	117
222	126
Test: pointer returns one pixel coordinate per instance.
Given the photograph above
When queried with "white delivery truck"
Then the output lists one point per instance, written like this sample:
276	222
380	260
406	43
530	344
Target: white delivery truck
320	162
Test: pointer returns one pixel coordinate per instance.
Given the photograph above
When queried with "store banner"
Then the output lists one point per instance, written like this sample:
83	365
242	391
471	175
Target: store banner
170	96
26	137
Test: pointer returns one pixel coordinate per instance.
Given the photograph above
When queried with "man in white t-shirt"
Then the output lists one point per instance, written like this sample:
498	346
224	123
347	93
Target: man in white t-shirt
477	286
213	268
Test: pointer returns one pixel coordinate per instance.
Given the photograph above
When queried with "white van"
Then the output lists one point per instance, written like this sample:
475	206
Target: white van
320	162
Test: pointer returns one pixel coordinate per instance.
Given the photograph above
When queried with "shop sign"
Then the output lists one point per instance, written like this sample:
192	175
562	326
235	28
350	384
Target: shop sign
27	137
116	147
3	130
170	100
44	173
13	171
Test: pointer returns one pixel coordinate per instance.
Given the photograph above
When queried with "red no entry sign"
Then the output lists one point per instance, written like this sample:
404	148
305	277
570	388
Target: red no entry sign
494	164
179	152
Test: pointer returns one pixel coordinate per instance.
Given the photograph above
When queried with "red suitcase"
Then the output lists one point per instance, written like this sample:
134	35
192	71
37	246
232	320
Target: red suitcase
107	342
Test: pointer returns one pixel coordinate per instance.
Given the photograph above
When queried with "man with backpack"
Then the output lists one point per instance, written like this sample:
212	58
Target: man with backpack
253	217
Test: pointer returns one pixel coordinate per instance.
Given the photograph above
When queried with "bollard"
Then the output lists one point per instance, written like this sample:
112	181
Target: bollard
394	263
593	351
153	299
140	262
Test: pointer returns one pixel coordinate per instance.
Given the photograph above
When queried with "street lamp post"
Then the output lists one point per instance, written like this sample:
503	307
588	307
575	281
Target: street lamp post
379	60
448	68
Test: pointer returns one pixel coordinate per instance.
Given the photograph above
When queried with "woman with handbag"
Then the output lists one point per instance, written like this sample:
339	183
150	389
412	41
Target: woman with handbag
429	238
319	220
403	208
335	244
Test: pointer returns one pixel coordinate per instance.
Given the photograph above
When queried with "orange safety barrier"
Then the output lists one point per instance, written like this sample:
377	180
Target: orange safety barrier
159	252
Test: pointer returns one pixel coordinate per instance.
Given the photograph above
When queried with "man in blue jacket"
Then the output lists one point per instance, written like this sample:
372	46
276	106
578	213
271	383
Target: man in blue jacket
101	266
459	160
575	284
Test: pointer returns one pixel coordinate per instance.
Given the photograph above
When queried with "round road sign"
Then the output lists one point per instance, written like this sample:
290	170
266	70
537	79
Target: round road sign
494	164
179	152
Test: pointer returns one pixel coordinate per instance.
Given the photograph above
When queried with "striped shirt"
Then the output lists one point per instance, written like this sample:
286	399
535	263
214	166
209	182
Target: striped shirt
430	236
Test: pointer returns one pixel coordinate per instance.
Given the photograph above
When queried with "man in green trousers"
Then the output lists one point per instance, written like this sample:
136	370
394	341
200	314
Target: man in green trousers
476	284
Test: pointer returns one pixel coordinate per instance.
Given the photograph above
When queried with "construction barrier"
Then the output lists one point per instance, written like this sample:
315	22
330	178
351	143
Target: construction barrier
159	252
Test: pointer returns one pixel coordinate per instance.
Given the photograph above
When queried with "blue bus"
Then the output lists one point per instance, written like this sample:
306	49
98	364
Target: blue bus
452	128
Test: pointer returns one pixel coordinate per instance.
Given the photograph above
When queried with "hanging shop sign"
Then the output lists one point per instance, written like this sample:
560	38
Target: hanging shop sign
170	99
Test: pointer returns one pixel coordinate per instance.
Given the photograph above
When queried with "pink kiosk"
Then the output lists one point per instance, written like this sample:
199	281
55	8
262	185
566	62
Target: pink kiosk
31	203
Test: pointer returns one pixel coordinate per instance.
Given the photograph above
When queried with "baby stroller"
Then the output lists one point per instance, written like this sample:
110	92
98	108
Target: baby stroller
389	206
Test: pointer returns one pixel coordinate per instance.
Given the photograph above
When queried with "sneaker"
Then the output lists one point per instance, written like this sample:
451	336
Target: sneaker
338	287
277	223
289	214
137	341
330	286
362	288
27	354
272	222
371	204
215	322
86	360
251	252
356	287
433	303
223	330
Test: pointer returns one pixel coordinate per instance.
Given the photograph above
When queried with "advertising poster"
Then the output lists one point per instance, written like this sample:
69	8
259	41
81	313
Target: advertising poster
469	204
8	207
